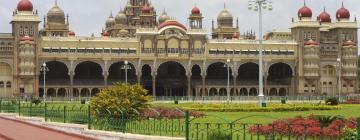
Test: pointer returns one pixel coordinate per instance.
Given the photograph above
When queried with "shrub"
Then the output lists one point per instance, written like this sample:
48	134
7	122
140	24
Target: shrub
219	135
36	101
332	101
283	101
83	101
168	113
120	98
176	102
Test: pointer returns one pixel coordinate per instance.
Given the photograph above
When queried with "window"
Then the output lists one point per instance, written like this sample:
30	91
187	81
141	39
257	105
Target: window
324	83
8	84
1	84
330	83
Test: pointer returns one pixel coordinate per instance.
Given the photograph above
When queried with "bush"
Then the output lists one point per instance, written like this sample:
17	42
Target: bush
168	113
283	101
219	135
83	101
120	98
36	101
176	102
332	101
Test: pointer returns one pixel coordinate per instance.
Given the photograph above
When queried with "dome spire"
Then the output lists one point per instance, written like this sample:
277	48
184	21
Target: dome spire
342	4
56	3
304	3
224	5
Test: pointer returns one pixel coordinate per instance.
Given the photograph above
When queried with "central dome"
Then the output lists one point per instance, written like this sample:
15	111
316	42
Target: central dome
56	15
225	19
324	17
305	12
163	17
25	5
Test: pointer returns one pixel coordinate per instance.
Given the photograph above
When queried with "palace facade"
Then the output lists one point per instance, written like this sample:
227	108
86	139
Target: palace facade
170	59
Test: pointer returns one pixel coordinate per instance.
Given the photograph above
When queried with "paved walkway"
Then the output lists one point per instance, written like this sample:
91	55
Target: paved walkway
20	130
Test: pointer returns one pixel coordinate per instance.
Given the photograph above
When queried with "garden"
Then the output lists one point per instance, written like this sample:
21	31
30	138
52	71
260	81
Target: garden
128	109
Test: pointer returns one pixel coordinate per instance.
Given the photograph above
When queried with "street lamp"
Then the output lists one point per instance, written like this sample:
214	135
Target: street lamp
339	76
258	5
126	67
227	65
44	69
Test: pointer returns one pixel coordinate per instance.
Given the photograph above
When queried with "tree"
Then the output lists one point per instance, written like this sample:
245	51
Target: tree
120	99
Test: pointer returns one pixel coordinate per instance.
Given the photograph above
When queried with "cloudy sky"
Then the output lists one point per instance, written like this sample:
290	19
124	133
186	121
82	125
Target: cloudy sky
88	16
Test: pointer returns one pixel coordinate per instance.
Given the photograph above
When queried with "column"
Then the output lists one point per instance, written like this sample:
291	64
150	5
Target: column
154	84
234	87
139	78
71	84
189	86
292	88
266	93
203	78
106	75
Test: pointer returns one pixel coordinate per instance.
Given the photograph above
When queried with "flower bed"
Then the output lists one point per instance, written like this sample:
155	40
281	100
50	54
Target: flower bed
256	108
352	101
311	127
169	113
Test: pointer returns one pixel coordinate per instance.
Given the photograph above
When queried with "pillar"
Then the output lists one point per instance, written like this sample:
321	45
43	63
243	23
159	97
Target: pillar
189	86
293	89
71	84
203	78
154	84
234	87
106	75
266	84
139	78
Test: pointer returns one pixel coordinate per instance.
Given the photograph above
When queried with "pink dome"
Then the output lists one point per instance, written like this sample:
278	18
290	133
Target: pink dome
26	38
342	13
171	23
25	5
145	9
305	12
195	10
324	17
349	43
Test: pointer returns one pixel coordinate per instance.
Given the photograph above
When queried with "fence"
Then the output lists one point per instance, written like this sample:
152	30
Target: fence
187	127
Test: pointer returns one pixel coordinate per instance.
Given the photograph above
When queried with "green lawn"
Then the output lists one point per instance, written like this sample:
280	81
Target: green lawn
267	117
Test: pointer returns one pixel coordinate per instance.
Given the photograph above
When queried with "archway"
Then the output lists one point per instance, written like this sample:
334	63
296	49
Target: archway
76	92
196	80
61	92
41	92
282	92
273	92
94	91
146	78
243	92
85	92
171	79
51	92
213	92
88	73
223	92
279	74
117	73
248	74
217	75
58	74
253	92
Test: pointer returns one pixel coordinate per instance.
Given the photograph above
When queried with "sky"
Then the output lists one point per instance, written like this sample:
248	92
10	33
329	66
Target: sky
88	16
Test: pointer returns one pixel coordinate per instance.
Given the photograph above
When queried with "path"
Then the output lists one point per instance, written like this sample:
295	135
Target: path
20	130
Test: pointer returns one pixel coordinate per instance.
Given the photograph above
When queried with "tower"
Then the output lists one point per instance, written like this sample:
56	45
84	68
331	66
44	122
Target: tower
25	23
195	18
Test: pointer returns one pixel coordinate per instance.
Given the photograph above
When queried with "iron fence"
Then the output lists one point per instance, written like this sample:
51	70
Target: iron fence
187	127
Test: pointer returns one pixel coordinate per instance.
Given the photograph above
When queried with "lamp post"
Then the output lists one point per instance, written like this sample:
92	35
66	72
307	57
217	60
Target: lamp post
258	5
44	69
339	77
126	67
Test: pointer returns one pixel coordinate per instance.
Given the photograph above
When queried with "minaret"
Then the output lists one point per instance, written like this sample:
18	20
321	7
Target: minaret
195	18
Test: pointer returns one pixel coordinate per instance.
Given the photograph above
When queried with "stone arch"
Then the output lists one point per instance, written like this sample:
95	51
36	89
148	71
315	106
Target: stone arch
213	92
279	74
273	92
291	66
248	73
51	92
223	92
85	92
88	73
58	73
76	92
282	92
61	92
94	91
171	79
253	92
117	72
218	72
244	92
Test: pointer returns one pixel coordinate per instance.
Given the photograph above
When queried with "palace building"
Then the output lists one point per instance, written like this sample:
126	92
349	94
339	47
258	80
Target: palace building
317	55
